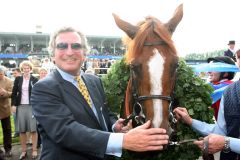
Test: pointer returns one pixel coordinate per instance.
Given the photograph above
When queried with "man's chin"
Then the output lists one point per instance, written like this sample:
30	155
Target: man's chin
71	69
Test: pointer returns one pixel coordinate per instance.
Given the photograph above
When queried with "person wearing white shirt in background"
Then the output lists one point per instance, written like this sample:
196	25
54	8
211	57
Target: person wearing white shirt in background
224	134
47	64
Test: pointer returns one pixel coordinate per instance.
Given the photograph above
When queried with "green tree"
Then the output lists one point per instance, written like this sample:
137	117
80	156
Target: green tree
204	56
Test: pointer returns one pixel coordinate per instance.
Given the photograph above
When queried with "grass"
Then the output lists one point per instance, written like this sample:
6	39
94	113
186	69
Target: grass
14	140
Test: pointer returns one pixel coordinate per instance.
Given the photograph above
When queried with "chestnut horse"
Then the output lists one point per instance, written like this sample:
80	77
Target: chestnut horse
153	61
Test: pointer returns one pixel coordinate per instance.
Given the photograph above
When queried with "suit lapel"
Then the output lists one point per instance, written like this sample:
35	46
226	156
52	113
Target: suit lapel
74	92
20	83
92	88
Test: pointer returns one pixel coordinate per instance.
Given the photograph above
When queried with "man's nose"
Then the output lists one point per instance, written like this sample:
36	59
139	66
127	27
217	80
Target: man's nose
69	50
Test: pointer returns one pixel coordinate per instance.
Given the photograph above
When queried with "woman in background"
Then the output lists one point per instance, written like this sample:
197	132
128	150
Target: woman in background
26	122
42	73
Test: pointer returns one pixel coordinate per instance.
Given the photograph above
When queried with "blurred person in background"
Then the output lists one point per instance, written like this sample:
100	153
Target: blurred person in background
6	85
42	73
15	73
219	81
230	52
26	122
95	66
48	65
237	56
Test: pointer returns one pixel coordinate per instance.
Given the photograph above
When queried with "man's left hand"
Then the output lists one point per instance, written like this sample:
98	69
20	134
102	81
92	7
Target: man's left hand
119	126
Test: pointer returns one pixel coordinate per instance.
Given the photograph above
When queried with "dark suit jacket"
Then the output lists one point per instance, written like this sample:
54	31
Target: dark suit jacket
230	54
17	89
68	127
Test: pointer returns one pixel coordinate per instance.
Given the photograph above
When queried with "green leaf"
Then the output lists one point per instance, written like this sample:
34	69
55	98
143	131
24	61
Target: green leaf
191	112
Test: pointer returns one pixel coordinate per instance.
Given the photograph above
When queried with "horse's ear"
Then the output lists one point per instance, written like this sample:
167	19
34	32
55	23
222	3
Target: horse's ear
174	21
128	28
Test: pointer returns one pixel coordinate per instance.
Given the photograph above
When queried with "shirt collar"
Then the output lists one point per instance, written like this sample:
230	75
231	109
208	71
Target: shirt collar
66	76
232	50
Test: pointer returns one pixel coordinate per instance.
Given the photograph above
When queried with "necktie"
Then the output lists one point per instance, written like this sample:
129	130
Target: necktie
83	89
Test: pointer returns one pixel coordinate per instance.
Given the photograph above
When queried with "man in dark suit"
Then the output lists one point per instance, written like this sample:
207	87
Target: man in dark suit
70	126
230	52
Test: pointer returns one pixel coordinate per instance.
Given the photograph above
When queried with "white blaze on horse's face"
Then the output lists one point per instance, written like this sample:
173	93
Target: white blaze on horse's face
155	66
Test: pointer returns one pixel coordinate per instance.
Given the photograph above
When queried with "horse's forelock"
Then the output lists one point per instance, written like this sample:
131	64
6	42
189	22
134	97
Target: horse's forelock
151	24
135	46
163	33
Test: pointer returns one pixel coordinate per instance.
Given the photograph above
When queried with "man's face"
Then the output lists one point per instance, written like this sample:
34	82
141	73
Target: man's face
214	76
16	74
1	75
231	46
68	55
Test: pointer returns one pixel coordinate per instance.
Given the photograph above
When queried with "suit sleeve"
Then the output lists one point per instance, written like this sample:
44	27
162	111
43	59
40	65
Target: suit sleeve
59	124
14	92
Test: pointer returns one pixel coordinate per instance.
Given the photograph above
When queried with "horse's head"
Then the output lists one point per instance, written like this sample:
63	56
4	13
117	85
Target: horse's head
153	60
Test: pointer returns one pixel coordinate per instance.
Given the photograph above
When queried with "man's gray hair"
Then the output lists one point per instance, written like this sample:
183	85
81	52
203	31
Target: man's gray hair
52	42
2	69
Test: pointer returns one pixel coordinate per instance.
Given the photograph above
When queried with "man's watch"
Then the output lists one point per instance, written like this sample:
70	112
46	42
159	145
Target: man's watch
226	148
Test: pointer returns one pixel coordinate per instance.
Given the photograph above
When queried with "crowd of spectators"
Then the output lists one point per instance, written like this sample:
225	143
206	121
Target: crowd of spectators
95	50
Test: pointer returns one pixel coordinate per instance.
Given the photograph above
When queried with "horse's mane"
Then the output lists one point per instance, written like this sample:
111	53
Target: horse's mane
150	26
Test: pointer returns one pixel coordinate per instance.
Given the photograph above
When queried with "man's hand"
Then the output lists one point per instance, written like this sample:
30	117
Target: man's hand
182	114
144	138
2	92
215	143
119	126
13	109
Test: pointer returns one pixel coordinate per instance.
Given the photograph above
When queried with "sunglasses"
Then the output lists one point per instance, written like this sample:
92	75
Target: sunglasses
74	46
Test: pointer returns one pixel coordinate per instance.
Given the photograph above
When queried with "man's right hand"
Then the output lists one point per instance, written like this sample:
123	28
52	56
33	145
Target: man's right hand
144	138
13	109
182	114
